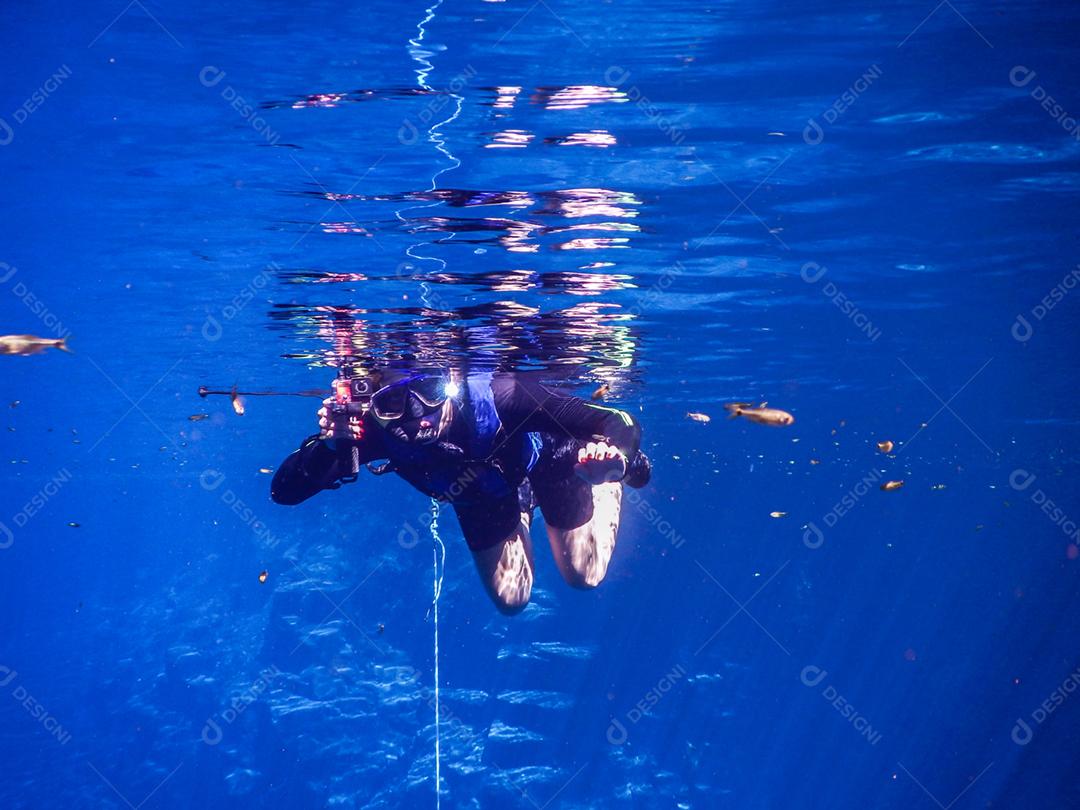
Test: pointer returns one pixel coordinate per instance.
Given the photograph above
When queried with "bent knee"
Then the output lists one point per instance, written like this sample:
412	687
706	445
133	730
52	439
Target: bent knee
585	574
582	561
506	570
511	594
510	604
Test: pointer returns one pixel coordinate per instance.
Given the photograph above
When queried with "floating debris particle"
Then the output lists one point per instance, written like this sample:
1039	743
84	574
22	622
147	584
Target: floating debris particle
699	417
885	446
815	461
237	403
889	486
263	576
938	486
15	404
777	514
74	525
601	392
198	417
265	470
25	345
382	628
773	417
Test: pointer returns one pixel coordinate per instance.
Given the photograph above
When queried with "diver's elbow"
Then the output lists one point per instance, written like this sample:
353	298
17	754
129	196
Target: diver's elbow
285	496
282	499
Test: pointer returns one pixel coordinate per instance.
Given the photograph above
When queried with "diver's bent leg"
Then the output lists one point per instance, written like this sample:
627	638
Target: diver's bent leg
506	570
582	554
505	565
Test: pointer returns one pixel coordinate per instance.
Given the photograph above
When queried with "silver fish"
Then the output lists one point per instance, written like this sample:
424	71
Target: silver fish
774	417
30	344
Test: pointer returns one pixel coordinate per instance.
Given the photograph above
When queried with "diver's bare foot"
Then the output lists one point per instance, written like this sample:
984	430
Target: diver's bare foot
600	462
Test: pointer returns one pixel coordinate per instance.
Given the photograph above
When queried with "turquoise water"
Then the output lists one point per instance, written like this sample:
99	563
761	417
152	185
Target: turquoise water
865	217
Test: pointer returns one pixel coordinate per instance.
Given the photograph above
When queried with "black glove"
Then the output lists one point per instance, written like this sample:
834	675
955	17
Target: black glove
311	469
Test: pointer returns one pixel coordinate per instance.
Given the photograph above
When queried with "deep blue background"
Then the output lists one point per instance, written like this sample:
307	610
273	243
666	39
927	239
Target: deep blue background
942	202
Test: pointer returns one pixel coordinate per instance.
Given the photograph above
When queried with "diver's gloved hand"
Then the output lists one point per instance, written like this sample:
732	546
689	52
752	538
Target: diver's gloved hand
310	469
339	426
600	463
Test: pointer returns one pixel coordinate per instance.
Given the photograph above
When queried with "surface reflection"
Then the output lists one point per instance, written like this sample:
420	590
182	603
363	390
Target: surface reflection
508	335
514	280
351	97
601	210
594	138
577	96
554	97
509	139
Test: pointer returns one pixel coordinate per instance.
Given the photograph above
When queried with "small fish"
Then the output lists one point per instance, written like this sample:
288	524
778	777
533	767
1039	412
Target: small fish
885	446
699	417
263	576
889	486
197	417
773	417
30	344
237	403
777	514
601	392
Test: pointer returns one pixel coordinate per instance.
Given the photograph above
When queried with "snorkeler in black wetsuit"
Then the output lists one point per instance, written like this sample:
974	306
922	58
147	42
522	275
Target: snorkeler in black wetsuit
493	445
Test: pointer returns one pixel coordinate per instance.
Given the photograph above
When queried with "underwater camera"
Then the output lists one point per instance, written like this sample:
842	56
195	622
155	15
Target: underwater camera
351	398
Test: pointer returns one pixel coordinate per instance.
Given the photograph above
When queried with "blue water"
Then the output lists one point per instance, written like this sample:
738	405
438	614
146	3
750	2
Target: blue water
674	198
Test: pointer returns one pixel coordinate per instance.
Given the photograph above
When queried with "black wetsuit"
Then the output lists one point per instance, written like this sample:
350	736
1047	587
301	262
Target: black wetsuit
504	433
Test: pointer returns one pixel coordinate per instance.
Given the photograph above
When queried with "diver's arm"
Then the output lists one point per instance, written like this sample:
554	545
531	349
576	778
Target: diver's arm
526	405
318	465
